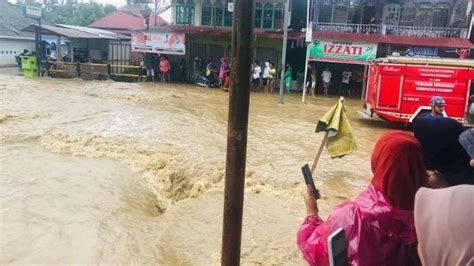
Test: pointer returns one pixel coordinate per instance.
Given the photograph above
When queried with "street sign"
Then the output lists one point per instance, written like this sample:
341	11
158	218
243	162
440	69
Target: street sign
230	7
33	11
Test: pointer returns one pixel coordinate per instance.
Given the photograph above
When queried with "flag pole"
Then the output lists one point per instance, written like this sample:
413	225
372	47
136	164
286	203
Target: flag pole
308	38
320	151
237	129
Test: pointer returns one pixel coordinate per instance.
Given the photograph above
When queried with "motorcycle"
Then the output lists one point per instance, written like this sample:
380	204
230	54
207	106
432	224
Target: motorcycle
203	81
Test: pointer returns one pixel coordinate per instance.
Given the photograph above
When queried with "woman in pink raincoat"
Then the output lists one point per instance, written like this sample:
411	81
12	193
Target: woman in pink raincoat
222	69
379	223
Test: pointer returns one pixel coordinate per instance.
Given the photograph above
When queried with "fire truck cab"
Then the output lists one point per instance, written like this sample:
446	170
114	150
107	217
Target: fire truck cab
399	89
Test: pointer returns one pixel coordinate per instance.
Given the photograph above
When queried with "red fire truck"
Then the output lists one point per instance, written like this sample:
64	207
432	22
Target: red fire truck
400	88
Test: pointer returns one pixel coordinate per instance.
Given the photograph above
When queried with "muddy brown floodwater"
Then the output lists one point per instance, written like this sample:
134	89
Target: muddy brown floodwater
104	172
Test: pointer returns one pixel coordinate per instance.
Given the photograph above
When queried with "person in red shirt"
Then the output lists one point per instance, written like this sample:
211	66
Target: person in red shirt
165	69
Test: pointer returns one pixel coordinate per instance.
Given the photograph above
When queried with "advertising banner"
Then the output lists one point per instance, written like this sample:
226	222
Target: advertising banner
162	43
342	51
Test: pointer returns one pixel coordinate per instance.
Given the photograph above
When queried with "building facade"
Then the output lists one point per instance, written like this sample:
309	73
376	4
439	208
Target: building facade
12	40
348	34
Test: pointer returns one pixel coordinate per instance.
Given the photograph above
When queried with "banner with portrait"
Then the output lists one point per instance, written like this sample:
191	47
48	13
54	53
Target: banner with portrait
161	43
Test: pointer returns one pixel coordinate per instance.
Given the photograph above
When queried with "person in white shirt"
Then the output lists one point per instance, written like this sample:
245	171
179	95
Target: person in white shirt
256	70
267	77
326	77
346	78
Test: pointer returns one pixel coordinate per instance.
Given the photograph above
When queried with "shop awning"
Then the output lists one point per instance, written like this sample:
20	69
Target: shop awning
392	39
272	34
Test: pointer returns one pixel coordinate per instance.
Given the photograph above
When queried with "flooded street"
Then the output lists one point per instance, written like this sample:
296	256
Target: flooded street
123	173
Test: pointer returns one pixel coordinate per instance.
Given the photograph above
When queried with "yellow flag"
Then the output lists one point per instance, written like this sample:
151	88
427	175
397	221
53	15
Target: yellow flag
341	141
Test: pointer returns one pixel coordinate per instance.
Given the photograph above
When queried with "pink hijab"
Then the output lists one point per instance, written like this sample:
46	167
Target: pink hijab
444	220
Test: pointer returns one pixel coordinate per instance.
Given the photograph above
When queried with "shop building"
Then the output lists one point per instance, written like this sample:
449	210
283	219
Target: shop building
350	33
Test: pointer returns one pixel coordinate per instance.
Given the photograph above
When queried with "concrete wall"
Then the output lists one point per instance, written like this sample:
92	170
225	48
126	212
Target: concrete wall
9	48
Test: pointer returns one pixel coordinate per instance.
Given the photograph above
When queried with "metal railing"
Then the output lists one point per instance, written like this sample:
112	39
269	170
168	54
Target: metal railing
391	30
92	71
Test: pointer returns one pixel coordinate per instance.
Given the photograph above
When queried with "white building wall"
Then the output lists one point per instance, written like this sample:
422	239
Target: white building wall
9	48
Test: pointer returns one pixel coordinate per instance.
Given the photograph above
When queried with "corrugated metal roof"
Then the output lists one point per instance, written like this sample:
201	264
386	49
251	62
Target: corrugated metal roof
77	32
12	21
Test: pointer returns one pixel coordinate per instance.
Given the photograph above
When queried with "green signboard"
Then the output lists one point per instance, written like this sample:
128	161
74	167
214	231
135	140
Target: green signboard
342	51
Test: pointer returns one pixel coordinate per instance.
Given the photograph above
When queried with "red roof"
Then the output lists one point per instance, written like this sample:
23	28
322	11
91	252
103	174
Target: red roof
393	39
122	20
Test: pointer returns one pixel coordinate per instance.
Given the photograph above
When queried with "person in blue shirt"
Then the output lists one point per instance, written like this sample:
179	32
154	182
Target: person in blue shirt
437	106
439	139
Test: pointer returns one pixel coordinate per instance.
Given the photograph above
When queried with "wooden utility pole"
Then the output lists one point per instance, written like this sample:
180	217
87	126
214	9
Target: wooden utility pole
239	97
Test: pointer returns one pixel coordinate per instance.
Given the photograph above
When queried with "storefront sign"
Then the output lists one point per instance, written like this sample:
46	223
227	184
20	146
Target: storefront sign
413	51
33	11
162	43
341	51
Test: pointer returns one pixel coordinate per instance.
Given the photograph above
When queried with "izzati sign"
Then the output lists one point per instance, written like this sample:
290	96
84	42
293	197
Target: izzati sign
342	51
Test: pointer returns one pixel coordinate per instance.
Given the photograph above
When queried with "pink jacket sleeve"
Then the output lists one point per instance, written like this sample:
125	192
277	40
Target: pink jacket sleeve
314	232
311	240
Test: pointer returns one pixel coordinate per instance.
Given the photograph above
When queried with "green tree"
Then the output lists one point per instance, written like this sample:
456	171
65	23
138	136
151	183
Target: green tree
70	11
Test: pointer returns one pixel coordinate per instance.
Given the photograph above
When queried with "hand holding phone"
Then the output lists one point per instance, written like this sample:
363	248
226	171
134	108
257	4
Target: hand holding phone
308	178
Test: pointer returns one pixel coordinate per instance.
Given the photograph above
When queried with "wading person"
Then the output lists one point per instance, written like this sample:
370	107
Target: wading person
379	223
182	70
165	69
346	86
310	81
150	66
287	78
256	71
271	78
326	78
266	76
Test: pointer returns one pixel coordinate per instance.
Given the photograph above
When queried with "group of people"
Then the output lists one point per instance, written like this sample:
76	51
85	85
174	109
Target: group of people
265	77
349	82
156	67
419	206
215	76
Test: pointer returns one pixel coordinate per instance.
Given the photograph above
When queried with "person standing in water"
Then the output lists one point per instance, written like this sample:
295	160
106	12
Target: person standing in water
256	70
326	77
266	76
346	86
272	77
288	77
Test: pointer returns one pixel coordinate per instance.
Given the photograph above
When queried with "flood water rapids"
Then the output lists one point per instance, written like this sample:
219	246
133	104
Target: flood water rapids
101	172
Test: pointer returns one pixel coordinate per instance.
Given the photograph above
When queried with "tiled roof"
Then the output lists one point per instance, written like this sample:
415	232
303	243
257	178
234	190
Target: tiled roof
123	20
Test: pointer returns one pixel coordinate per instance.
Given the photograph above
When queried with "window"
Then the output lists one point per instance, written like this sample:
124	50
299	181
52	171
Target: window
185	12
325	13
258	15
206	18
368	14
278	17
340	14
440	15
355	15
407	17
218	14
267	16
228	16
423	17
